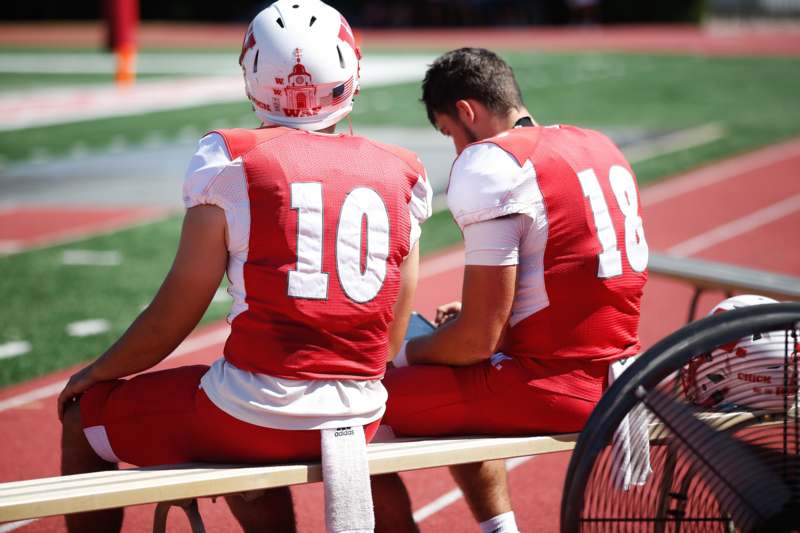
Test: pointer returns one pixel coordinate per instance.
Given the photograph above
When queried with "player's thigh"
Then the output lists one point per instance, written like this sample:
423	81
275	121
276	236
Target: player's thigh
165	417
494	397
144	420
432	399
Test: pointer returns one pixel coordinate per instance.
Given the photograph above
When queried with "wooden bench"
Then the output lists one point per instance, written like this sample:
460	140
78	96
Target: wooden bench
181	484
69	494
118	488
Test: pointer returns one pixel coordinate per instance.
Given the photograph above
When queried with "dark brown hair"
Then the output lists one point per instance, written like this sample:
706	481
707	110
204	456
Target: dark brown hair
470	73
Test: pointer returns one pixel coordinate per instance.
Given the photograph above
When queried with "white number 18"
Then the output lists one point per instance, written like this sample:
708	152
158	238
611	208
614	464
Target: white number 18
610	259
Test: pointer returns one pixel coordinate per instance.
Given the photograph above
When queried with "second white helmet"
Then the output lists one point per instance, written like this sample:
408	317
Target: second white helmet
301	65
747	372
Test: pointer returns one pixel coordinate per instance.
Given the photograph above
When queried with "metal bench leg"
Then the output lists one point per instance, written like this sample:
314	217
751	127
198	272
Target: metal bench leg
693	306
188	506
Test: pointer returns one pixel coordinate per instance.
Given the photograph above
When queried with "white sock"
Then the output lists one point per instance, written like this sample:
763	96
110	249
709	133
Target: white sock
502	523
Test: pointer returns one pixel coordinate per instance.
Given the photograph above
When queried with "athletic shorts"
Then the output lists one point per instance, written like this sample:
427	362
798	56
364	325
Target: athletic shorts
165	417
509	397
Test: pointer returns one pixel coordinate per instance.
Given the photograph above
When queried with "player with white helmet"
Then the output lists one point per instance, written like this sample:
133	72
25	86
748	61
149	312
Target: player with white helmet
318	235
745	373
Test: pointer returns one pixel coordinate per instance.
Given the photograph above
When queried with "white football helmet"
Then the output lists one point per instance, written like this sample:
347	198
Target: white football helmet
301	65
748	372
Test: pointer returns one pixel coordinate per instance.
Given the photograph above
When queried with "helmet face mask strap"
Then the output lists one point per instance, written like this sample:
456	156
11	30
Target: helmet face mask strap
301	65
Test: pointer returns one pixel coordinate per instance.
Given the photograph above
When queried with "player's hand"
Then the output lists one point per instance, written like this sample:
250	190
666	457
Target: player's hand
447	312
77	384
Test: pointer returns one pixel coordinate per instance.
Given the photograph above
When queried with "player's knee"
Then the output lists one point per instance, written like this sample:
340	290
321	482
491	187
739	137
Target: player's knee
72	427
77	455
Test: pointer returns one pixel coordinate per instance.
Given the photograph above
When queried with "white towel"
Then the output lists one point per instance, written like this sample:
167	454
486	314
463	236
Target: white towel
345	476
630	447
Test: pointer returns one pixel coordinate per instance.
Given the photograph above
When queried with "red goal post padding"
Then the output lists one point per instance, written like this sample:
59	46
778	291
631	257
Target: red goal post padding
122	21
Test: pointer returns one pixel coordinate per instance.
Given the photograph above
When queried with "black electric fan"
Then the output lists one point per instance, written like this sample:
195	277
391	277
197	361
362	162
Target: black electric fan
665	451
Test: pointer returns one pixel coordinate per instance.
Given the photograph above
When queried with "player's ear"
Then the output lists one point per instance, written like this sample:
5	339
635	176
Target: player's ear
466	111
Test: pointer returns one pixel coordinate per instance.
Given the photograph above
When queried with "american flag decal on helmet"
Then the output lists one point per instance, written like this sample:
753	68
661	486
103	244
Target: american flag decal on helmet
248	43
342	92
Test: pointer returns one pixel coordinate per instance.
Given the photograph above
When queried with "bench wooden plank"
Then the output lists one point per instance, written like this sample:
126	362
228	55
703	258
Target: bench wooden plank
712	275
102	490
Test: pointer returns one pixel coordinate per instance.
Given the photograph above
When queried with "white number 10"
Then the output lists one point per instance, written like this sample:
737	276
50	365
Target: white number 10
610	259
308	280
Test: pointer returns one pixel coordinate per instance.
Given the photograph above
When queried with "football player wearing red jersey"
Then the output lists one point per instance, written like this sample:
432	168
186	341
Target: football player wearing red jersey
317	233
556	262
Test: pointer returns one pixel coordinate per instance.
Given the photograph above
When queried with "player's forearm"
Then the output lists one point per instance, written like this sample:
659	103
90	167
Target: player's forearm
454	344
146	343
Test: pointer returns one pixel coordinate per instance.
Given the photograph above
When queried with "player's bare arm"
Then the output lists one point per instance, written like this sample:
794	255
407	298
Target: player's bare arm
474	334
409	272
176	309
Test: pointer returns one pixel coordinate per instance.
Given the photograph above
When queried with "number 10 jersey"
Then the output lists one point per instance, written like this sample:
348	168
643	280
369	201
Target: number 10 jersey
331	218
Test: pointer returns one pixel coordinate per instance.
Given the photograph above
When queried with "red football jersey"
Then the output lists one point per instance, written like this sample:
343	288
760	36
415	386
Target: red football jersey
595	258
330	226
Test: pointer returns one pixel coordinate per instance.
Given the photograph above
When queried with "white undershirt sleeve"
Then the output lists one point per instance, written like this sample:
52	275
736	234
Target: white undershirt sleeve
496	242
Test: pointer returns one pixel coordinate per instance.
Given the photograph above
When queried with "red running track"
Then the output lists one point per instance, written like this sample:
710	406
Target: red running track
675	212
30	226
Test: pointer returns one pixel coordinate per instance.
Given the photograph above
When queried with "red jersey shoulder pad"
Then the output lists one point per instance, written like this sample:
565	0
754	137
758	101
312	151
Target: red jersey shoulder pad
519	142
239	141
407	156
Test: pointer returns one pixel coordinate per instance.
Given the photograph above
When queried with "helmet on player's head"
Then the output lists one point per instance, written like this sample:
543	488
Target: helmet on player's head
301	65
748	372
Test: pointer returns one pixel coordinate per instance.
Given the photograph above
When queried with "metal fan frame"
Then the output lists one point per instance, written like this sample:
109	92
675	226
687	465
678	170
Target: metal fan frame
664	358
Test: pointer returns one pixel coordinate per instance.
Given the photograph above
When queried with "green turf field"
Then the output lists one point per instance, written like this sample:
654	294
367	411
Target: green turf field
754	99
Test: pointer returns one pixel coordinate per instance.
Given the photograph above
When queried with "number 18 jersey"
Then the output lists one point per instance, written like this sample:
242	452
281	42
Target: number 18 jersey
580	283
331	218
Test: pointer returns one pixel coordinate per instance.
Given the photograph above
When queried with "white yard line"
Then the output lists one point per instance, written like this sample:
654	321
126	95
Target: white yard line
13	349
737	227
91	258
88	328
454	495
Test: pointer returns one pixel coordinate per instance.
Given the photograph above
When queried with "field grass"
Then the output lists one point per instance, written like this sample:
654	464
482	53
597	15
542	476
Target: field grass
754	99
42	295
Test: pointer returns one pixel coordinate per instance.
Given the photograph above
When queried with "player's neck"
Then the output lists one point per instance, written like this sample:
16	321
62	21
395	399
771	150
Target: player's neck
510	121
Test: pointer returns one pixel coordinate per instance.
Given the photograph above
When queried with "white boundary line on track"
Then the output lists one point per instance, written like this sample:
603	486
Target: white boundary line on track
11	526
454	495
718	172
737	227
